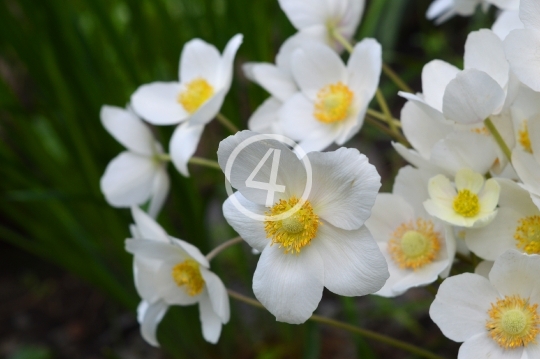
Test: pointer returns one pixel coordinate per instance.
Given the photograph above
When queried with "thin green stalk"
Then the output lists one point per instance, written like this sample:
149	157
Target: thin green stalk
395	78
386	110
380	116
204	162
231	242
395	135
339	38
498	138
351	328
227	123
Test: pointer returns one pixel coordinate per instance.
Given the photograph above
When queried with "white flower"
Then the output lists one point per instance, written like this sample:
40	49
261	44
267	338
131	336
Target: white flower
527	163
496	318
442	10
507	21
417	247
136	175
169	271
205	78
321	243
517	225
466	203
334	98
522	46
317	18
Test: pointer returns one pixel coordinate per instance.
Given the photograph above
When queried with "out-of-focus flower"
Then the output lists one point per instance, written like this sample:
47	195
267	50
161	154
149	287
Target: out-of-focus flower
442	10
138	174
169	271
469	202
507	21
310	242
205	78
527	161
334	98
496	318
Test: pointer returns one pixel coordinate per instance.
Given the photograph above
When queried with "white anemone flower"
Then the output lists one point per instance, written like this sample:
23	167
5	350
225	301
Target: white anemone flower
517	225
468	202
496	318
319	18
527	163
307	241
418	248
334	98
169	271
205	78
522	46
138	174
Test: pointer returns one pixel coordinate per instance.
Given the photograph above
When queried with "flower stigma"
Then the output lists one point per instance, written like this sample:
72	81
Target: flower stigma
189	275
513	322
196	93
528	234
466	203
414	244
333	103
294	232
523	137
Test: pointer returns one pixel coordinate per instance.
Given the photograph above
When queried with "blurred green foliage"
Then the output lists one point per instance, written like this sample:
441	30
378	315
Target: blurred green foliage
60	61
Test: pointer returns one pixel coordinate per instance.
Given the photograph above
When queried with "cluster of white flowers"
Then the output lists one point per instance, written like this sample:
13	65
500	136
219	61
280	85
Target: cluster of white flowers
472	189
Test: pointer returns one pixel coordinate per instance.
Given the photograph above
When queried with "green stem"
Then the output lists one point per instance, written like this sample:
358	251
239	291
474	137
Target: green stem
339	38
380	116
222	247
351	328
204	162
498	138
396	79
395	135
386	110
227	123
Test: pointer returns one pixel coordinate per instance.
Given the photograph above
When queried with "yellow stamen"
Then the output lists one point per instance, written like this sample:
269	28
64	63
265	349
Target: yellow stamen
528	234
196	93
296	231
333	103
481	131
188	274
513	322
466	203
523	137
415	244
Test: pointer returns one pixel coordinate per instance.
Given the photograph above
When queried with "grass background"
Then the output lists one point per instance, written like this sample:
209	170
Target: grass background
61	60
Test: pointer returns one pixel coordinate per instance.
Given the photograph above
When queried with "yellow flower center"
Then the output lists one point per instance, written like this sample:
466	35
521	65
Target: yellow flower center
528	234
481	130
466	203
414	244
294	232
196	93
189	275
333	103
513	322
523	137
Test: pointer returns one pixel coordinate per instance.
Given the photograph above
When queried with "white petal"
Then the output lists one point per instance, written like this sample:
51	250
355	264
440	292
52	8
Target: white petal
160	190
209	109
396	274
265	119
158	104
412	184
472	97
514	196
252	231
484	51
345	186
144	271
516	273
128	129
364	67
128	179
527	169
483	346
461	305
420	277
169	290
303	14
414	158
437	8
199	60
436	75
316	66
484	268
317	142
289	46
154	250
353	263
218	295
388	212
147	227
225	72
149	316
183	145
278	83
532	351
521	48
191	251
290	178
468	179
210	321
489	197
533	126
506	22
290	286
529	12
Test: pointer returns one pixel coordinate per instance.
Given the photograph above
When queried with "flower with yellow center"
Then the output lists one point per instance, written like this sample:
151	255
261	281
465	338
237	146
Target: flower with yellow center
169	271
310	240
193	101
523	137
469	202
333	97
498	317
